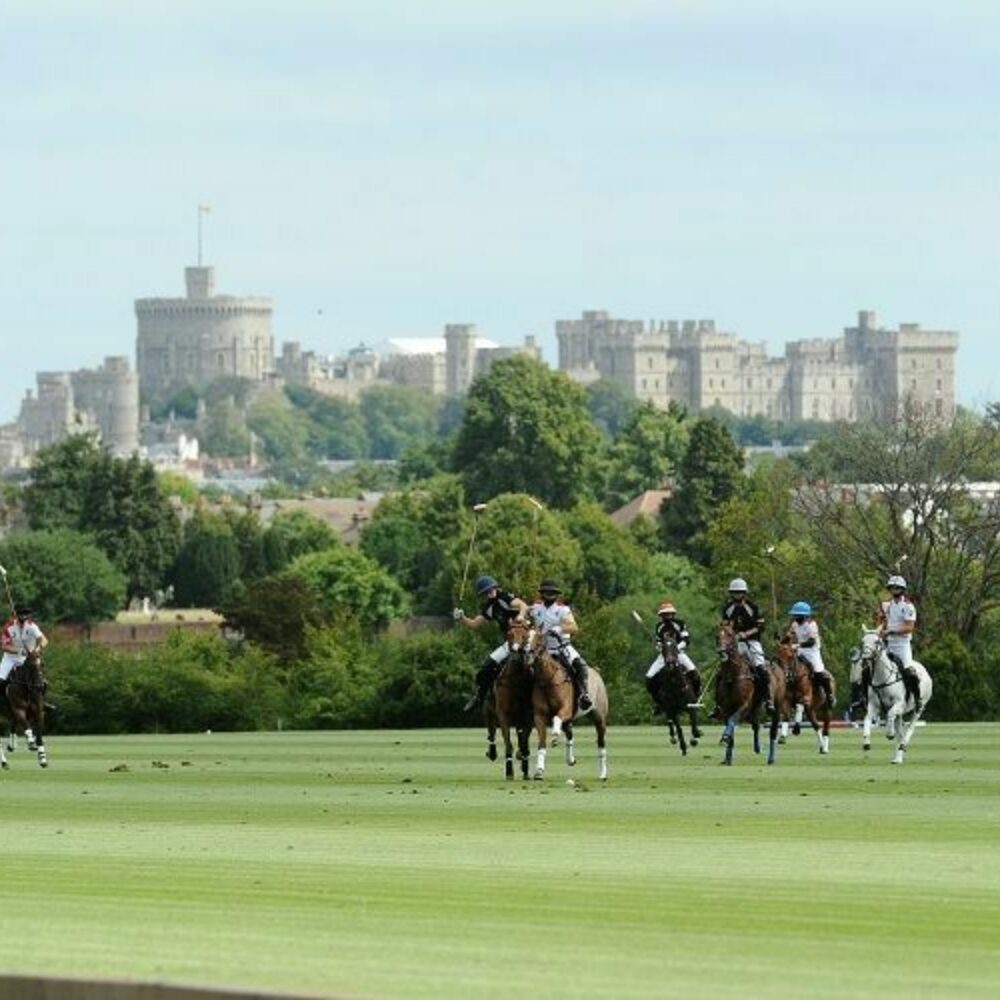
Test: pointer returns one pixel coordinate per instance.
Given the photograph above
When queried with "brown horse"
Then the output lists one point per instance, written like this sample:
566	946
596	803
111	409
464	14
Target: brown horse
802	696
26	706
735	695
509	704
554	701
674	694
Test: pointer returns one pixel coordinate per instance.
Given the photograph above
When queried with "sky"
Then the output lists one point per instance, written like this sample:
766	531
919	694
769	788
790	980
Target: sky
384	168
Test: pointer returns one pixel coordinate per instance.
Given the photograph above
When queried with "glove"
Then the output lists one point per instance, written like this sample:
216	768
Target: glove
681	645
458	614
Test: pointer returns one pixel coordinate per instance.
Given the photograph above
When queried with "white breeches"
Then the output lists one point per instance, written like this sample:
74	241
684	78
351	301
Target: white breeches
682	658
813	657
753	651
8	663
902	649
500	653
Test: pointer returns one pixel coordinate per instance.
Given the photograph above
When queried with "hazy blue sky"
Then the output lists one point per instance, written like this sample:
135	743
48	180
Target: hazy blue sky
385	168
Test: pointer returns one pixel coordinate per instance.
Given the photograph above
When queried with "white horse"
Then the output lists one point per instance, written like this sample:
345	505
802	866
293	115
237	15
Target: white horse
885	692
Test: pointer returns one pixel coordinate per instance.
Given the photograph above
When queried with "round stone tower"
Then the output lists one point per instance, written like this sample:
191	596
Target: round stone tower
202	337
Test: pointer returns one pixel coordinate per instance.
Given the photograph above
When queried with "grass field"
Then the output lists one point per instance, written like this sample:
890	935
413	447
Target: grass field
401	864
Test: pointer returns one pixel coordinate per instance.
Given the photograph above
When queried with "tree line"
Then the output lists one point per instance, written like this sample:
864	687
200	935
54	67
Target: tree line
826	525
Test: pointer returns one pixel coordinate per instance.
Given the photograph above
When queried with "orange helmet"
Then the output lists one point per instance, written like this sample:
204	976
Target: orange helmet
666	608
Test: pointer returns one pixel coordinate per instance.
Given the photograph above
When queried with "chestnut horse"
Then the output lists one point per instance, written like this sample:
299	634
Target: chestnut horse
26	706
509	704
674	695
554	702
735	695
803	696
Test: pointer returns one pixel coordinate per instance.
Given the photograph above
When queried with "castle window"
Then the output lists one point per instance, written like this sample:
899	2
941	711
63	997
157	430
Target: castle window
644	383
938	407
656	384
769	383
749	383
716	362
220	361
913	364
815	383
939	364
711	383
913	383
850	385
833	383
650	360
939	385
723	383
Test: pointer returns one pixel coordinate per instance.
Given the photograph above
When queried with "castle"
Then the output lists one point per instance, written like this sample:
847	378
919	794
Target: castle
103	400
438	365
869	371
194	340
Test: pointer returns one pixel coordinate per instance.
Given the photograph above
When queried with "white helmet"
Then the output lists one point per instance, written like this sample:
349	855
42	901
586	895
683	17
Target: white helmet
896	581
738	586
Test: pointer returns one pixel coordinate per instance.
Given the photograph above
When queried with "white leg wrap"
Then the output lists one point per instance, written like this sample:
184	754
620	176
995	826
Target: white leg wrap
800	710
784	730
602	763
540	767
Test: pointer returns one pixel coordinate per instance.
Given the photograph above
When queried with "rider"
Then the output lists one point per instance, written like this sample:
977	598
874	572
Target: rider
671	627
555	620
803	631
748	622
21	635
897	618
502	607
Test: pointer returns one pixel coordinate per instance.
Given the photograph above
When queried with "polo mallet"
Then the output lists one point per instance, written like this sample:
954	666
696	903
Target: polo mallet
6	586
477	509
771	557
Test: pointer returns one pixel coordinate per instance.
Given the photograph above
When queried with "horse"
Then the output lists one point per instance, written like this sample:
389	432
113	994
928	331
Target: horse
509	704
881	678
554	701
674	694
804	697
734	695
26	706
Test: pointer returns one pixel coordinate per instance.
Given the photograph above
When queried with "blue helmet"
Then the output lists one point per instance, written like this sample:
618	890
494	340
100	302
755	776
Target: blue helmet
485	583
800	608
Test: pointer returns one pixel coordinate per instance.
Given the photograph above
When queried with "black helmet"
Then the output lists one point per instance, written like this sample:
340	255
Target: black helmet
22	611
549	586
485	583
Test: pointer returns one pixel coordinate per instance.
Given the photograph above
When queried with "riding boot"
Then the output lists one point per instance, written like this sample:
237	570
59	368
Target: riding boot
695	678
485	676
653	687
825	681
762	686
579	671
912	684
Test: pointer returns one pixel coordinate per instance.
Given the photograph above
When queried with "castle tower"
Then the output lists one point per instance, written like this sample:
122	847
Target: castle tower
202	337
460	357
111	395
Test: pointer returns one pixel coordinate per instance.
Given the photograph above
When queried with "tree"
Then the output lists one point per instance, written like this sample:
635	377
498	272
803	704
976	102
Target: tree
645	453
902	503
223	432
295	533
526	430
63	575
411	533
397	417
208	564
348	583
336	429
710	473
120	502
609	405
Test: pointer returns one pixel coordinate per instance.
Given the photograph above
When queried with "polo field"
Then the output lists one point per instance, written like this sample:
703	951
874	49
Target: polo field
401	863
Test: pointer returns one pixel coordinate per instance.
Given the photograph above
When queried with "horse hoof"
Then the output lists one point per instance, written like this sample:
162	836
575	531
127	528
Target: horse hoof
32	746
866	746
491	752
694	742
781	741
538	776
823	750
5	766
796	729
673	740
43	763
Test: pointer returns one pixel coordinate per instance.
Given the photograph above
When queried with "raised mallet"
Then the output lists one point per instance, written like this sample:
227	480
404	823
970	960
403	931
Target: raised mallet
6	587
477	509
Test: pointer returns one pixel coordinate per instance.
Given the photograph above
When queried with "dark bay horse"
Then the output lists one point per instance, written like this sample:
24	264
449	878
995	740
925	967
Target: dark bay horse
734	694
801	691
674	694
509	705
26	706
554	702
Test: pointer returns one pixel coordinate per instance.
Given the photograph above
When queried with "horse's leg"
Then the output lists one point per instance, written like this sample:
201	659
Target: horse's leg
676	721
570	751
729	736
3	758
601	729
906	736
866	725
893	717
43	757
542	731
772	742
491	740
695	730
673	732
755	726
508	751
524	749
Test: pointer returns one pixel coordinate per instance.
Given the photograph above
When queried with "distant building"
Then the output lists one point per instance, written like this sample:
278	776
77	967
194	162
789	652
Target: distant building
104	401
202	337
869	371
439	365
